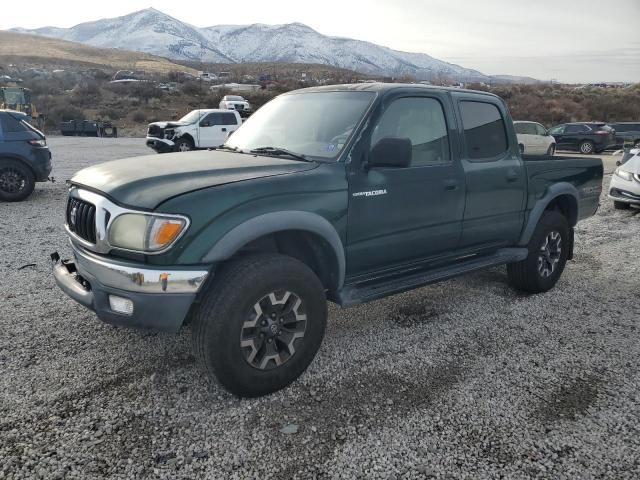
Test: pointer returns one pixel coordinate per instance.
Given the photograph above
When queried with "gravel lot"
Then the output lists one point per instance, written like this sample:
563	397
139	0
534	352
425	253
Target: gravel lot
464	379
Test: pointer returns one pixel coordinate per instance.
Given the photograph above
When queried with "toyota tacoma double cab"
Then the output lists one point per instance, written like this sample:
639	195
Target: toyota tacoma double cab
198	129
342	193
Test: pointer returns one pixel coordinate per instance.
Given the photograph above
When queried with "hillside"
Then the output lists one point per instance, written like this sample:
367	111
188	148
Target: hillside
152	31
24	48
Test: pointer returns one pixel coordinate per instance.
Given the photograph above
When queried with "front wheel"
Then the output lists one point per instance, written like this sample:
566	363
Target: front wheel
184	145
260	324
548	252
16	181
551	150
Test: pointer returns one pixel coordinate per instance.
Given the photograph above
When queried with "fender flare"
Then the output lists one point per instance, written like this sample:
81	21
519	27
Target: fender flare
553	192
21	159
274	222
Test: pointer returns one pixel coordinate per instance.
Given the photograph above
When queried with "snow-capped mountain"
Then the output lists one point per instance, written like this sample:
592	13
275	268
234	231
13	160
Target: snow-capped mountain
152	31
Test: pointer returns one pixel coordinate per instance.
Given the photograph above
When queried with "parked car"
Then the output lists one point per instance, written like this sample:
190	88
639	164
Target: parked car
624	189
586	137
626	133
348	193
24	156
196	130
236	102
534	139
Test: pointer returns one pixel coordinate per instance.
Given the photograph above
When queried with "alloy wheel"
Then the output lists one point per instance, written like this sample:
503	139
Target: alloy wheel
269	335
12	180
550	253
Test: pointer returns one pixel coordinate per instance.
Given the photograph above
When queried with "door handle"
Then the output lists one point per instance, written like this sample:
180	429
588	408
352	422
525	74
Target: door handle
451	185
224	129
512	177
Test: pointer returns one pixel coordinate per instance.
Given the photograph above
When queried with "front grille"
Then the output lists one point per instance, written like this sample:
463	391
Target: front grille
81	219
239	106
155	131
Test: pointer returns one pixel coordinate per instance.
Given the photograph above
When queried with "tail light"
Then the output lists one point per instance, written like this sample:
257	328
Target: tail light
37	143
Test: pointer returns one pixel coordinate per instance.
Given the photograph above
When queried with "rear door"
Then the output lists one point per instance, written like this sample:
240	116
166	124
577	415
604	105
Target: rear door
574	134
401	215
494	171
212	131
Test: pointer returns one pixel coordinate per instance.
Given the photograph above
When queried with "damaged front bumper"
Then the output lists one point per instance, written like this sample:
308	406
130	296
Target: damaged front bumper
160	145
128	294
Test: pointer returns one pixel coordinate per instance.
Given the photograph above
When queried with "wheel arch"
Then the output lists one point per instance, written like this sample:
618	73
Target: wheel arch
18	158
305	236
562	197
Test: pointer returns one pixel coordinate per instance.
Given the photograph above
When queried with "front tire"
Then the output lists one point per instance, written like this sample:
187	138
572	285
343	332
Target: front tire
551	150
17	181
586	147
548	252
260	324
184	145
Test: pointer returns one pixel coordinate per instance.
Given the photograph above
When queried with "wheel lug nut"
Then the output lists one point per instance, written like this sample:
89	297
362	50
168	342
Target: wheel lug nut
282	320
268	340
273	315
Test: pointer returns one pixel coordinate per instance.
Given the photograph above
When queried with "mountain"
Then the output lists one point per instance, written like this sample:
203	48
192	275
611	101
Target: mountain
20	47
154	32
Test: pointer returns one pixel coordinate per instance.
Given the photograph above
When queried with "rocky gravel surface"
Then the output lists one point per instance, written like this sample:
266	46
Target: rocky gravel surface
462	380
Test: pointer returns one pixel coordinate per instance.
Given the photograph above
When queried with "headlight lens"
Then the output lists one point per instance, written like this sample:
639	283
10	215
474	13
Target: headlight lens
145	233
628	176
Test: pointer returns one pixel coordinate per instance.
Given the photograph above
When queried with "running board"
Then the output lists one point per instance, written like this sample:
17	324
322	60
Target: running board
381	287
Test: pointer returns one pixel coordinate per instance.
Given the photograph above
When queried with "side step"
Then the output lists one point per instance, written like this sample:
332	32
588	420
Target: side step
381	287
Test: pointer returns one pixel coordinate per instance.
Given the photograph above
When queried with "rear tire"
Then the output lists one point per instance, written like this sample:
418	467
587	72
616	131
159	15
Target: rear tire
586	147
17	181
621	205
548	251
260	324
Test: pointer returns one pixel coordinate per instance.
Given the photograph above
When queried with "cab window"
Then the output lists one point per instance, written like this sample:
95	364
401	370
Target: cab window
229	119
421	120
484	130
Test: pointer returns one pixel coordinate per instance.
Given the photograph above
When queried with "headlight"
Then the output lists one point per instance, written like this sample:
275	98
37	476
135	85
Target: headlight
145	233
628	176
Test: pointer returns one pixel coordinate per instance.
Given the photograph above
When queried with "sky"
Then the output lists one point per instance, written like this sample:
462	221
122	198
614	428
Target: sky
577	41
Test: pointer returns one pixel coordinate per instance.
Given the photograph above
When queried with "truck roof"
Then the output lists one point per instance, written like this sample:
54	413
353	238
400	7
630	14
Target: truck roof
386	87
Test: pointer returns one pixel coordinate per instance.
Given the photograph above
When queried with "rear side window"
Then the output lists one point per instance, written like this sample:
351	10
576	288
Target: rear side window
577	129
10	124
484	130
213	119
229	119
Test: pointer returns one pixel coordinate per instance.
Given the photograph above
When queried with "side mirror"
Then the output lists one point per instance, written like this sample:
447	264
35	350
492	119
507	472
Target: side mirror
205	124
391	152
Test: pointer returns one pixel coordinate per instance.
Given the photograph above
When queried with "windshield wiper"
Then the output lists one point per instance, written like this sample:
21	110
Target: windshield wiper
231	149
277	151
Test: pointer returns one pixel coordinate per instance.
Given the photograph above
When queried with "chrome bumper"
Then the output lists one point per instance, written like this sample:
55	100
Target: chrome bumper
169	143
135	278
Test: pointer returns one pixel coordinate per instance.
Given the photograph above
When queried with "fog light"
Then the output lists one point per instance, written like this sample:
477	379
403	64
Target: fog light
121	305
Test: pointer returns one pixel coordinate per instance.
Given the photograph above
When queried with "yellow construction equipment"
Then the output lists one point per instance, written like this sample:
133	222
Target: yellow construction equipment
19	99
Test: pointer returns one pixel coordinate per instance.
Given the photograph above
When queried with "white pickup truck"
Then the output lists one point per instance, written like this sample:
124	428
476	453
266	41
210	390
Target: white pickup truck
198	129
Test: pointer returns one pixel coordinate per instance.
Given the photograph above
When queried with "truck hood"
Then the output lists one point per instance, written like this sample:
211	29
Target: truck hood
145	182
169	124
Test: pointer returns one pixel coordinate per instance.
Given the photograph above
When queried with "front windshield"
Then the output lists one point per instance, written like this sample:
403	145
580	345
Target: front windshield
14	96
191	117
314	124
235	97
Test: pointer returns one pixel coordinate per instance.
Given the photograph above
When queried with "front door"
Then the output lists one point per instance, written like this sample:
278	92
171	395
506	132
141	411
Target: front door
495	175
401	215
562	141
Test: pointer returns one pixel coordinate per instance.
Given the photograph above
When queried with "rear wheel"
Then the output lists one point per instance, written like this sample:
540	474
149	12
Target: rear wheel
586	147
621	205
184	145
261	323
16	181
548	251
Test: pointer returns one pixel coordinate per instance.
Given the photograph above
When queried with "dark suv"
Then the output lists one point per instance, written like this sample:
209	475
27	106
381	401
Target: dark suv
626	132
586	137
24	156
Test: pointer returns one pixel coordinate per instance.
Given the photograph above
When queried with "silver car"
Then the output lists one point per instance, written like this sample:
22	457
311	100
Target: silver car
625	183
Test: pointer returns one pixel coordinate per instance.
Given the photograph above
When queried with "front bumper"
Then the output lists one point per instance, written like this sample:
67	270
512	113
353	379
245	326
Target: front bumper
161	297
160	145
627	191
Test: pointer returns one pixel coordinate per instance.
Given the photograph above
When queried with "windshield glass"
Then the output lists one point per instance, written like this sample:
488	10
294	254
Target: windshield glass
315	124
14	96
235	97
191	117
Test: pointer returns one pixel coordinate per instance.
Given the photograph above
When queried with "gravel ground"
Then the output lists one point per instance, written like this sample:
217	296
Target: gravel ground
464	379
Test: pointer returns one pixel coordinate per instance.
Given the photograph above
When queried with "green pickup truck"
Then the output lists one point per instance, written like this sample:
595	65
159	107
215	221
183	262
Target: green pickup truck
343	193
